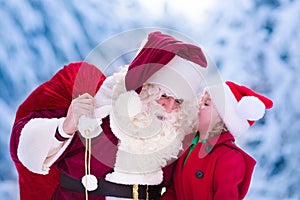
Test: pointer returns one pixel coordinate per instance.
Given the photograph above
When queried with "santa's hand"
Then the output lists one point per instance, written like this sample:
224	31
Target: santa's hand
82	105
89	127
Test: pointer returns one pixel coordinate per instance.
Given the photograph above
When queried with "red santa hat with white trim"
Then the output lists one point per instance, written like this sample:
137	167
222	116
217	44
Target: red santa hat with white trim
176	66
238	106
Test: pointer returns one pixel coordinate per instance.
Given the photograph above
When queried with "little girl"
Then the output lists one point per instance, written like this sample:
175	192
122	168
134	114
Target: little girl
214	168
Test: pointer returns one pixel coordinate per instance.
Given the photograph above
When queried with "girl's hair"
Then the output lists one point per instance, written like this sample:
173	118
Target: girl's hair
217	129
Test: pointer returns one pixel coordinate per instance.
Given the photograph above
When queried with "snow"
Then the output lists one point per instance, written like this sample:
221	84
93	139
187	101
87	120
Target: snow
253	42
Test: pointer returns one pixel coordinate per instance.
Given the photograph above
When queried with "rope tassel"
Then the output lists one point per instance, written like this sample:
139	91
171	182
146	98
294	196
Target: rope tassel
89	181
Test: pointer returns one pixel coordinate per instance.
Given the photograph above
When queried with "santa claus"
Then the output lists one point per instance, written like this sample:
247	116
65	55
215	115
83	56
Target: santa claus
76	141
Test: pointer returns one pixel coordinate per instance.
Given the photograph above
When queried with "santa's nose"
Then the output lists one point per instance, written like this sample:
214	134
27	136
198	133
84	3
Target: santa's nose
169	104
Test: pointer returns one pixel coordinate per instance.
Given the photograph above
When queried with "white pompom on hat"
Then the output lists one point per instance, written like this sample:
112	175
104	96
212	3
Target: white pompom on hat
238	106
251	108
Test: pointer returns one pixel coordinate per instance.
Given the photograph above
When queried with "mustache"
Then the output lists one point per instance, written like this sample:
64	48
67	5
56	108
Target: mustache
158	111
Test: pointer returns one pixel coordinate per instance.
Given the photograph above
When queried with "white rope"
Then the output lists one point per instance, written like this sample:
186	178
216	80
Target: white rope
87	162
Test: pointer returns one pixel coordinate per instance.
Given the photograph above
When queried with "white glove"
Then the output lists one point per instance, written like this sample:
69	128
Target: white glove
89	127
82	105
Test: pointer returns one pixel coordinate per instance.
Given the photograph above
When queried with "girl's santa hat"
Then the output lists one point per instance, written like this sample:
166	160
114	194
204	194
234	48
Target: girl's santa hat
237	105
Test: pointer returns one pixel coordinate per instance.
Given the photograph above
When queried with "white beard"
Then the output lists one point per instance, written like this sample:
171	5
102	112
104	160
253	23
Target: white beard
143	151
147	140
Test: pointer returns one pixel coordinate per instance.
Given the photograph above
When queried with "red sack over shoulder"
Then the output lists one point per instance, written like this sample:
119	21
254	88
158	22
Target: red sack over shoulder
71	81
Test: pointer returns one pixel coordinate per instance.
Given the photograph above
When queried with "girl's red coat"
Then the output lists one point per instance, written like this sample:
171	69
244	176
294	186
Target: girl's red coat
215	170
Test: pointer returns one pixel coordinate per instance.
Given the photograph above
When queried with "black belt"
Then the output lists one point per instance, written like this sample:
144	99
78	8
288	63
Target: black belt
106	188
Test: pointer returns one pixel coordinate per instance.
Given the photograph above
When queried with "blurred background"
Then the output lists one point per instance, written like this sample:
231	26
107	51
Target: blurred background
253	42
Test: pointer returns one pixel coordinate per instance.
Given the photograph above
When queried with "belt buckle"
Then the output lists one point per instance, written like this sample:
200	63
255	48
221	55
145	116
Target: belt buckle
135	192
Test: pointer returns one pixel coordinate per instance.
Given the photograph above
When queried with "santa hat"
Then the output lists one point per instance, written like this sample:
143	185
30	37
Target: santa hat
174	65
238	106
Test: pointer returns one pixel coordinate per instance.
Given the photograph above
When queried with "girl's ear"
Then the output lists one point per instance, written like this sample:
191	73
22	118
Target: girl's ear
225	129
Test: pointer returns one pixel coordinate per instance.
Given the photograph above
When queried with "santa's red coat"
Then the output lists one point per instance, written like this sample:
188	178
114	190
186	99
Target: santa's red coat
50	100
224	173
55	96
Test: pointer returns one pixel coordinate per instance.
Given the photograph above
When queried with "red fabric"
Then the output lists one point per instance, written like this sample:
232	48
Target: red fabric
30	182
157	52
241	91
57	93
226	172
36	186
71	81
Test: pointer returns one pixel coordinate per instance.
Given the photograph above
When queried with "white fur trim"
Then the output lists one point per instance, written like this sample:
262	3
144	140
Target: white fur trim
37	142
61	130
181	77
226	104
90	182
109	91
251	108
154	178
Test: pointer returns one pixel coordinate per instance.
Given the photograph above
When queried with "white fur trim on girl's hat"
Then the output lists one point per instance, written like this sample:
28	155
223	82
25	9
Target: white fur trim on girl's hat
238	106
225	103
